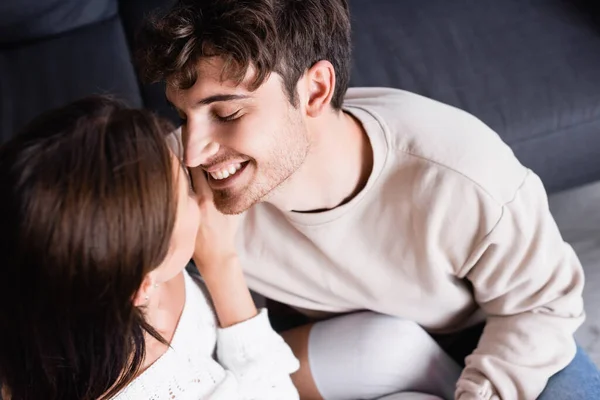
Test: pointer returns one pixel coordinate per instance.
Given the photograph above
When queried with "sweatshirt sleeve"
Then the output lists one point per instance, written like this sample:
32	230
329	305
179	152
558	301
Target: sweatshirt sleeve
257	359
529	282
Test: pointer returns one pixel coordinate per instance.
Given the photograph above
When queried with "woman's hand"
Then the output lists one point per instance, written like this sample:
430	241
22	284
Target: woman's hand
215	242
216	258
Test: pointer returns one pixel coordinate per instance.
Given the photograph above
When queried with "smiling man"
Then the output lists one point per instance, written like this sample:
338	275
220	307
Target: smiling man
263	140
372	199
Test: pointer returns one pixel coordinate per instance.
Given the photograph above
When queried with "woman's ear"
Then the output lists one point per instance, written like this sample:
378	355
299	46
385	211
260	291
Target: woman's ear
142	296
320	81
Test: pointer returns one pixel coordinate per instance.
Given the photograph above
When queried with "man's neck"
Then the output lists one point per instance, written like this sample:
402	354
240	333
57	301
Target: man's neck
336	169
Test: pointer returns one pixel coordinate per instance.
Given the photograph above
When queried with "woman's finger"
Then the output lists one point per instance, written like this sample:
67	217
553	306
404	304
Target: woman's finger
200	183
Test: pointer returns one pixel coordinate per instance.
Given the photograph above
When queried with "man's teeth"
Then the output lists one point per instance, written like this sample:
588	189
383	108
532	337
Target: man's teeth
226	172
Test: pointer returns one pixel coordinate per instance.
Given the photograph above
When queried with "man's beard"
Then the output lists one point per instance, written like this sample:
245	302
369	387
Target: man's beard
235	201
268	176
262	185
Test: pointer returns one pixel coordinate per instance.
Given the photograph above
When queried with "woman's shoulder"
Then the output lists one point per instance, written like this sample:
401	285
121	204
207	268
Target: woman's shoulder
187	370
176	376
197	327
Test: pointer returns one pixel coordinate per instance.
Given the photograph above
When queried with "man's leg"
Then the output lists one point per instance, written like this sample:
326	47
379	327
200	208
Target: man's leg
580	380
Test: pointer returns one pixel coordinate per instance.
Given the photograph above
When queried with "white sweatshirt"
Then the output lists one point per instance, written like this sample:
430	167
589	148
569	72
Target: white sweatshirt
450	229
247	361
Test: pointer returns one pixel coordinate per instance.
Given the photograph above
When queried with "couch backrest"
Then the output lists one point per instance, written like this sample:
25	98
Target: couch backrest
22	20
55	51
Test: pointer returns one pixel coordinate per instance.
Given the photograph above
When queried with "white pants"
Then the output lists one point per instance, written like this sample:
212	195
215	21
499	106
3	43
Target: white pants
373	356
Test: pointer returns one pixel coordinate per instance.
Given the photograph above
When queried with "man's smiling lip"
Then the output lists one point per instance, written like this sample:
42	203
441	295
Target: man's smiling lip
220	184
222	165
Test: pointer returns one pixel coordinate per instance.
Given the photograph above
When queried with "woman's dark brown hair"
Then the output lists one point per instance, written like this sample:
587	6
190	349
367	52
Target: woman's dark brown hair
87	209
283	36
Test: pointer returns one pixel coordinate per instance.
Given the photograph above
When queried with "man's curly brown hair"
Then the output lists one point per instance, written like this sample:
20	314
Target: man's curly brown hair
282	36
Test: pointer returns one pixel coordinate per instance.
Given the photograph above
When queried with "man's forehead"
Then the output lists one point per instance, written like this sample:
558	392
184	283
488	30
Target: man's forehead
210	82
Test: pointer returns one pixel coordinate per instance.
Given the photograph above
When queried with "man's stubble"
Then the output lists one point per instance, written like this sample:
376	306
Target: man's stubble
288	153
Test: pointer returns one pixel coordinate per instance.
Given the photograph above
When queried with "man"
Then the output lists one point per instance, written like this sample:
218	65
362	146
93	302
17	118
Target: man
371	198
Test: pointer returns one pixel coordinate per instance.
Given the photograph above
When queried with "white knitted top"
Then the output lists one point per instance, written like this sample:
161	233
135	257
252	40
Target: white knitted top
247	361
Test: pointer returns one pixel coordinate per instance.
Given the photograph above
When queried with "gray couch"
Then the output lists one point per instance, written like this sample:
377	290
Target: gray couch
528	68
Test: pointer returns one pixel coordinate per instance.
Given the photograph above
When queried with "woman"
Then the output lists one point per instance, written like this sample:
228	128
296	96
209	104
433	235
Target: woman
98	221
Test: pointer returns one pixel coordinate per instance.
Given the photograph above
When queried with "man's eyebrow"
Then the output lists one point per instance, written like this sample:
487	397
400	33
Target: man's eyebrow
213	99
220	97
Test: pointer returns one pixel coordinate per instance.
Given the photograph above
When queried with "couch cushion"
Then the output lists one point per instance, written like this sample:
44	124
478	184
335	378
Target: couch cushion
22	20
133	13
50	73
529	69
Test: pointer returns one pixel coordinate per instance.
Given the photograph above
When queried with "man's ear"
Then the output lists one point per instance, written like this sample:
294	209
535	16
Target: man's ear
320	85
143	294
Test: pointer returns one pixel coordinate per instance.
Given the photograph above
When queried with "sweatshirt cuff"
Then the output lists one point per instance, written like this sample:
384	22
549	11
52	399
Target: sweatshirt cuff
254	341
246	334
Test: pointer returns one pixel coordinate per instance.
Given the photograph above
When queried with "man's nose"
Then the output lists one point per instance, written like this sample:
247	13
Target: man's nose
195	156
198	148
